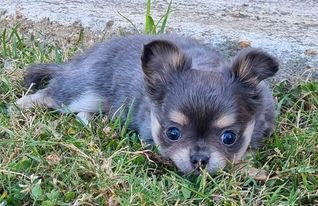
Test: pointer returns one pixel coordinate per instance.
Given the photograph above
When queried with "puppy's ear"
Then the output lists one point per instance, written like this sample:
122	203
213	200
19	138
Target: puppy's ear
251	66
160	61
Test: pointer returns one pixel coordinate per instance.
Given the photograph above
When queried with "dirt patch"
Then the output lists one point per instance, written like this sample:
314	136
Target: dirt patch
51	31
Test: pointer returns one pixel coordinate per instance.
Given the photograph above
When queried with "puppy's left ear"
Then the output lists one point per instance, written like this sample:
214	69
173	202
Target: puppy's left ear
251	66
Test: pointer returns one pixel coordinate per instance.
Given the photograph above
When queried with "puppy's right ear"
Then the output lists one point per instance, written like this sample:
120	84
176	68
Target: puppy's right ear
160	60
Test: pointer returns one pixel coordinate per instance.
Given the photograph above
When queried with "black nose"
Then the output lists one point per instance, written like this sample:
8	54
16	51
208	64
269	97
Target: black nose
199	160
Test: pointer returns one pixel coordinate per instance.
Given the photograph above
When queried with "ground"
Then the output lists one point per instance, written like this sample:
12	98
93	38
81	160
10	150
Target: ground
287	29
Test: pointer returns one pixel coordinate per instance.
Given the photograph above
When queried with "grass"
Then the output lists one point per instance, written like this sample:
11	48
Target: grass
152	27
50	159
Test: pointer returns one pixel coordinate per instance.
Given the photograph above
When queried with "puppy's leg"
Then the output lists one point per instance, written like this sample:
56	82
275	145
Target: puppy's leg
89	101
85	105
40	98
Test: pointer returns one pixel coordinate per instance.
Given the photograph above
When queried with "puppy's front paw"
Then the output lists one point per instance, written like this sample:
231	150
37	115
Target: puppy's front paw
84	117
25	102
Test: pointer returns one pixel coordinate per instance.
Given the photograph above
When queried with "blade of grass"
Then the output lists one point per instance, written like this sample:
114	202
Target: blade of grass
164	23
129	20
128	119
80	40
147	23
4	43
151	28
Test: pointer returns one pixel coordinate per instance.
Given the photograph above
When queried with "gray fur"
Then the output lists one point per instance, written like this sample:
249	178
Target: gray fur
111	75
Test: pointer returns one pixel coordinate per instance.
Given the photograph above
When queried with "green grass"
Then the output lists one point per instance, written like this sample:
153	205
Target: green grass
155	28
47	158
152	27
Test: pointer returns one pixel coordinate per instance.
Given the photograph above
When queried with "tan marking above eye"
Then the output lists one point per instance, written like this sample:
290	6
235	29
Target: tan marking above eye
179	118
225	121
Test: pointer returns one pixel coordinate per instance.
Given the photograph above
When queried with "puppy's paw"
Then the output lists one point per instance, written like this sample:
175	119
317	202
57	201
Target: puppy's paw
84	117
25	102
39	98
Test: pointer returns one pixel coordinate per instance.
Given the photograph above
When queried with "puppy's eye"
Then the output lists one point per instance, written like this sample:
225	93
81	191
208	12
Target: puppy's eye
173	133
228	137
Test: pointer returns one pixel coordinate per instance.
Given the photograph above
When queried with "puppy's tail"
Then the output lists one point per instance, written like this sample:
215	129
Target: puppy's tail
39	74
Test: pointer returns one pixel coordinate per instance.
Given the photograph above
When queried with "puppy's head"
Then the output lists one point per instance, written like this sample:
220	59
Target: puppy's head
203	118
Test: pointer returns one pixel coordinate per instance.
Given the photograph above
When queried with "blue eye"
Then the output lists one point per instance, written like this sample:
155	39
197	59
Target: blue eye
173	133
228	137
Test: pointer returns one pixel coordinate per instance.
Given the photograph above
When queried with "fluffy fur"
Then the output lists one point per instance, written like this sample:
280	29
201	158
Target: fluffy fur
168	81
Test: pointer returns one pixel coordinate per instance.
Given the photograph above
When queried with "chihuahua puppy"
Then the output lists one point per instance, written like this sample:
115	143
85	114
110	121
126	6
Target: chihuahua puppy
201	111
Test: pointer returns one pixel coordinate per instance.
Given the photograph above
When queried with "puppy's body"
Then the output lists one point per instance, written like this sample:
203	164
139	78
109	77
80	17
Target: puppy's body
173	84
